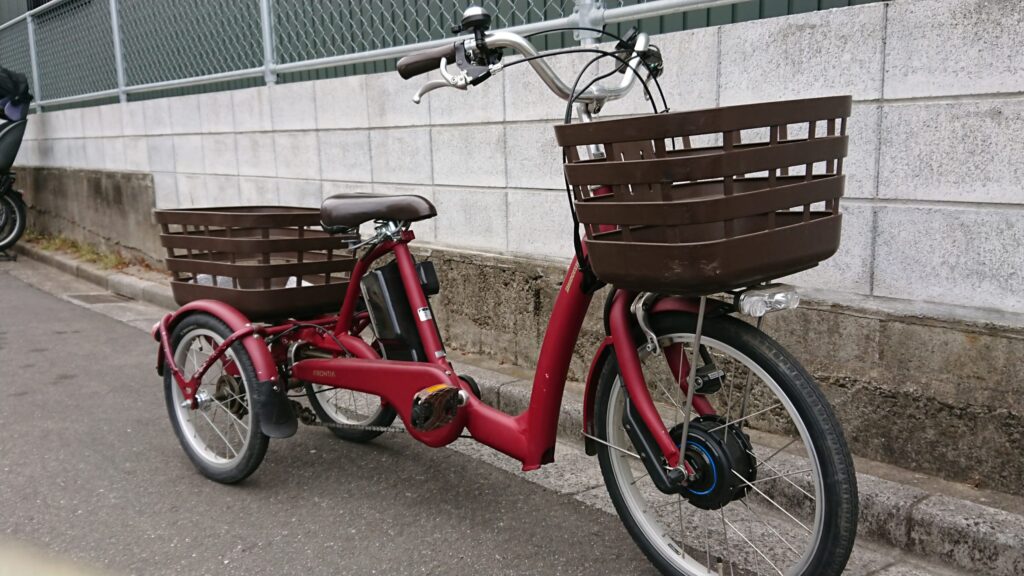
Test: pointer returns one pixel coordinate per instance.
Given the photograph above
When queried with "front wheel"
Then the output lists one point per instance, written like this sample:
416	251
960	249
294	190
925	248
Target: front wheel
773	489
12	220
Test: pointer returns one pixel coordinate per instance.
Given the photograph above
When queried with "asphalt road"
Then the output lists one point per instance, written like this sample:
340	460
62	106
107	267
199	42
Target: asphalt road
90	470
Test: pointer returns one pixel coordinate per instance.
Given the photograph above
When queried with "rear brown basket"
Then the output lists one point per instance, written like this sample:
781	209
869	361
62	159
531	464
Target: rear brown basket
663	215
248	256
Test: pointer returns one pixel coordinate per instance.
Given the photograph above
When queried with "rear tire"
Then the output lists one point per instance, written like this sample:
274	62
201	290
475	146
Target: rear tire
222	438
829	521
12	220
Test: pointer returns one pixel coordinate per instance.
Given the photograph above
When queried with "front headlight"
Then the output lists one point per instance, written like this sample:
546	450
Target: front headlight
759	301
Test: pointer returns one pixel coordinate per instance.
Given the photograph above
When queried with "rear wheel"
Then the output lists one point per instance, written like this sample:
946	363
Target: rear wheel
12	220
222	436
773	490
350	408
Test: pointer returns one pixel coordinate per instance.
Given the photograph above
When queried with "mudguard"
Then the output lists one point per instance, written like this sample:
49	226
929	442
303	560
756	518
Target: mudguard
269	397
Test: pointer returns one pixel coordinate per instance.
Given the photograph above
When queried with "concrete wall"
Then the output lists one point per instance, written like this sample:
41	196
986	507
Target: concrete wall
934	200
107	209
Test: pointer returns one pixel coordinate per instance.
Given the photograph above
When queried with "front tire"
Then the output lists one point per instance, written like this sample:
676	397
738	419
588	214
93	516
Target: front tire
797	512
222	437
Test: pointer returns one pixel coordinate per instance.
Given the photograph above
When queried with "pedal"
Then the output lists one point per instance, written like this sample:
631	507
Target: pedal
436	406
304	414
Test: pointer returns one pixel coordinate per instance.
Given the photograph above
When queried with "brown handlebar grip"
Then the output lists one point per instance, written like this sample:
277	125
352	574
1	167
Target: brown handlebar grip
425	61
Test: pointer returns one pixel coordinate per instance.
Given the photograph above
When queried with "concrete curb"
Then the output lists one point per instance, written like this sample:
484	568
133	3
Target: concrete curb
110	280
936	526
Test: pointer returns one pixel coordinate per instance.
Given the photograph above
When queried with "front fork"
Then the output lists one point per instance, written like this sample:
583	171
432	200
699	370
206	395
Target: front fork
641	420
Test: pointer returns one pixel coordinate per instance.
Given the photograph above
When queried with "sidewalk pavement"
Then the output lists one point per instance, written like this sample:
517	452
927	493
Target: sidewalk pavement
904	516
18	559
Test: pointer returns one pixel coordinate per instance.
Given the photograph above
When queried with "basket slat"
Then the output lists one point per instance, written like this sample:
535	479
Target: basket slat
711	164
249	271
752	197
248	245
698	122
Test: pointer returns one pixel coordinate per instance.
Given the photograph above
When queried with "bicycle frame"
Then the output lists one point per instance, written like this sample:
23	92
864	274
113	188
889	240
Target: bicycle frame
529	436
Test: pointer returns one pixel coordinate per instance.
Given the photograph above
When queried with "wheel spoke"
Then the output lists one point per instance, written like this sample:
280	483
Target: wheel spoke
641	477
772	407
669	396
232	396
682	530
786	478
773	502
707	540
776	453
235	422
727	552
781	475
756	549
612	446
191	360
217	430
769	527
347	406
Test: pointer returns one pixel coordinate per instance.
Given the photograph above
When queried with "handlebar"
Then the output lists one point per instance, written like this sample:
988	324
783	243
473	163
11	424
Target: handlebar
596	93
425	60
479	57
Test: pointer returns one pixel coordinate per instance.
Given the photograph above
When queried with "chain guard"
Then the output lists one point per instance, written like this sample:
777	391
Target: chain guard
308	418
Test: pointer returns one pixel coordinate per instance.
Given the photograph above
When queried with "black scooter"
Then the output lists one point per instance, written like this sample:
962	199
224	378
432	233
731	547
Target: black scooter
14	101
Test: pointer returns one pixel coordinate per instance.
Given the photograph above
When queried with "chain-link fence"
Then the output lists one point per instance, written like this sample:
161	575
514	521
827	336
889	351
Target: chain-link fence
167	40
14	50
72	44
306	30
77	50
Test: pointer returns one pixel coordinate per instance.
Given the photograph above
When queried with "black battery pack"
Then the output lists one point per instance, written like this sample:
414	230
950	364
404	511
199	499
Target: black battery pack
390	313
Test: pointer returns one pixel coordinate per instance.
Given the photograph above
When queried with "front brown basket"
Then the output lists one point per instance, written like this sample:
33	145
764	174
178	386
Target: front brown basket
756	199
266	261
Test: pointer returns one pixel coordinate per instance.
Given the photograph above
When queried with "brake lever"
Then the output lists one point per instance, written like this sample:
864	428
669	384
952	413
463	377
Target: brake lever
429	87
459	82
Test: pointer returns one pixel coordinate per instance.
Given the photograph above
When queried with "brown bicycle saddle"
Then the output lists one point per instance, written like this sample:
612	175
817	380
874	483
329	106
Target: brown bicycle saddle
346	211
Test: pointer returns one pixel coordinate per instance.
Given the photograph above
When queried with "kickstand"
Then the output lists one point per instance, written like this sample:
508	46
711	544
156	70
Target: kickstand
5	257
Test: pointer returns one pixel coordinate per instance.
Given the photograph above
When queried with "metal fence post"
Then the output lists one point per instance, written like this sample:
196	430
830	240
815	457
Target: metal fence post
115	27
30	23
269	76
